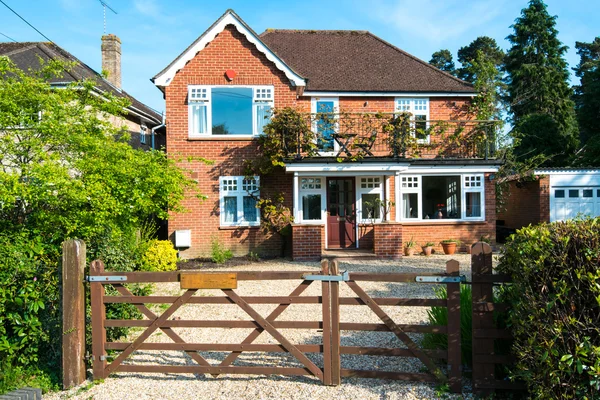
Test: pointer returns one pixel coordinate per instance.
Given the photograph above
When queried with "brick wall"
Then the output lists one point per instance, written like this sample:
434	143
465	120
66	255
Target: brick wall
526	203
388	240
308	242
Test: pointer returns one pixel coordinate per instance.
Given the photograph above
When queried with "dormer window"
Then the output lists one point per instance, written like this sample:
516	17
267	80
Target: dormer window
229	110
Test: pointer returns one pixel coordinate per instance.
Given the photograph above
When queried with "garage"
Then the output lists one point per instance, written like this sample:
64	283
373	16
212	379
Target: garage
573	193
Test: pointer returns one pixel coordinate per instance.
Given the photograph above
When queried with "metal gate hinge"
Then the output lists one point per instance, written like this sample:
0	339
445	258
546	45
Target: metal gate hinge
111	278
344	277
441	279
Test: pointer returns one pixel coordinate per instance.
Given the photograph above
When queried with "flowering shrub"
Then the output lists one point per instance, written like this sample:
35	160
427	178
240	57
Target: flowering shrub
160	256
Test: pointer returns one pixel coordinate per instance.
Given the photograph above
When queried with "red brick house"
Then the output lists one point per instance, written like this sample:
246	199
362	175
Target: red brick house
553	194
219	91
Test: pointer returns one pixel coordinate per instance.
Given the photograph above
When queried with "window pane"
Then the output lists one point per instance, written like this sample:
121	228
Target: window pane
232	111
473	200
263	112
230	209
325	125
311	206
441	197
410	205
421	127
574	193
250	210
370	206
199	119
559	194
588	193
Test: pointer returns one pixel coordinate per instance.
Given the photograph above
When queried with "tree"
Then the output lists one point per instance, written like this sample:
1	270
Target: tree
587	101
467	54
537	79
442	59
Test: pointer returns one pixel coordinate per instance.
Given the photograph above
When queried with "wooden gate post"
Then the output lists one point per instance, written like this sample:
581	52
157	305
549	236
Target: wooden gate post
98	317
73	310
454	339
326	303
335	325
481	266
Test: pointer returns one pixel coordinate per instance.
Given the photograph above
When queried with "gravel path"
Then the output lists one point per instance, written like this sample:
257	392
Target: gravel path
190	386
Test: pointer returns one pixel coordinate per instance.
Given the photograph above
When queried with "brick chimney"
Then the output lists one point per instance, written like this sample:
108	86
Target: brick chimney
111	58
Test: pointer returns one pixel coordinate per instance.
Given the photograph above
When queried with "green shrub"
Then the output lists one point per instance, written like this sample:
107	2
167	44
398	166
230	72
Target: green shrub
14	377
439	316
555	307
160	256
219	254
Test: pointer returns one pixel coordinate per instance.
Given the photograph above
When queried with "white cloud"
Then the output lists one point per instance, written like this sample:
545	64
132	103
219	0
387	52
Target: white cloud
436	21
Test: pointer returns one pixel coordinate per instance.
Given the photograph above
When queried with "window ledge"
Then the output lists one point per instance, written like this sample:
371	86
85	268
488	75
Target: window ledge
234	227
223	138
442	222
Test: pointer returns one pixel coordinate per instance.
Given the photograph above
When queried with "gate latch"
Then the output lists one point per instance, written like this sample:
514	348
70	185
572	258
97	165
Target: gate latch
344	277
441	279
106	278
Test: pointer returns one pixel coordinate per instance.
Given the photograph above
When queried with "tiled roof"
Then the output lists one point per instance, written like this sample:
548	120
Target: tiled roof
26	56
357	61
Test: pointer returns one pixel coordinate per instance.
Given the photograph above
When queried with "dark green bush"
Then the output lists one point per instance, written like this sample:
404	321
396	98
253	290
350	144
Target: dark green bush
439	316
555	313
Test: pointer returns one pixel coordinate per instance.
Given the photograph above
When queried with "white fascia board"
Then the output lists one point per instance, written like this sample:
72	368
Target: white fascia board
550	171
324	169
166	77
386	94
452	169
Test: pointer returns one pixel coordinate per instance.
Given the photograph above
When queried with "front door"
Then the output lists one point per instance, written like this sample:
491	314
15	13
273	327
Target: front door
341	213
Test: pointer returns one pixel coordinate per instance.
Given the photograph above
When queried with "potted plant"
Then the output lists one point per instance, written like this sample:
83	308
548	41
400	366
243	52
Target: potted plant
449	245
427	248
409	247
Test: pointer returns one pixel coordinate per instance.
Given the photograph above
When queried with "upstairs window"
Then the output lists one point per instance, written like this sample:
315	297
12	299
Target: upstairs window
143	132
419	108
229	110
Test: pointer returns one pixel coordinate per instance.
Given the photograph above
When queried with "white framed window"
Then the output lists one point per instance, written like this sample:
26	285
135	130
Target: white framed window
312	199
232	110
327	124
237	201
369	191
143	133
442	197
419	108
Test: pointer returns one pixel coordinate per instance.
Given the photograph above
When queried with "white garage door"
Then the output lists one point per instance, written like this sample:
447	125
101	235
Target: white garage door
570	202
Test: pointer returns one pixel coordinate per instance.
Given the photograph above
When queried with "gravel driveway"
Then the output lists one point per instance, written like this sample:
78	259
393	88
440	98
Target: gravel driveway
190	386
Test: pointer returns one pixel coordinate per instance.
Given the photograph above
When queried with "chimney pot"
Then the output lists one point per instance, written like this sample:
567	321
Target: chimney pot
111	58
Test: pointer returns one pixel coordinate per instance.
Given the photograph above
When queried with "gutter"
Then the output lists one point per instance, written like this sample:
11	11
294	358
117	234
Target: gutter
157	127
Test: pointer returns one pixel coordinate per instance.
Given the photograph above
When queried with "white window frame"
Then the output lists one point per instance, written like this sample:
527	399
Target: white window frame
464	188
413	106
240	193
336	110
410	184
143	130
302	191
369	190
201	96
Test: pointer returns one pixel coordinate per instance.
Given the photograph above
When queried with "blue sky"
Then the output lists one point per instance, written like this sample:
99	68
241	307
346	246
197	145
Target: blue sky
154	32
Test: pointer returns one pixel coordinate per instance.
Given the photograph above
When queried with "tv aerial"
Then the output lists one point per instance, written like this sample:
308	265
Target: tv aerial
105	6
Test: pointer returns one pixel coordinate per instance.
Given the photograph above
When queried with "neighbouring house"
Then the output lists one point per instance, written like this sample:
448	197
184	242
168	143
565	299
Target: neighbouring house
220	89
551	194
144	124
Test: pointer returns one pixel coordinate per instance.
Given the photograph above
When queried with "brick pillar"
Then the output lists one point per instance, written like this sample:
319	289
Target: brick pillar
388	240
544	183
111	58
307	242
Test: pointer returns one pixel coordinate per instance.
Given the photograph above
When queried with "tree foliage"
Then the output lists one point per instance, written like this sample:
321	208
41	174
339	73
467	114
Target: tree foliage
587	100
537	78
491	54
442	59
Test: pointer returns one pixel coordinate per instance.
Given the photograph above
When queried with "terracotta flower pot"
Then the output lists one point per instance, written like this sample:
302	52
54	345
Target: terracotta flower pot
409	251
427	250
449	248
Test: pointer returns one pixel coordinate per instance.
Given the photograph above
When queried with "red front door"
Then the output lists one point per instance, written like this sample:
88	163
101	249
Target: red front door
341	213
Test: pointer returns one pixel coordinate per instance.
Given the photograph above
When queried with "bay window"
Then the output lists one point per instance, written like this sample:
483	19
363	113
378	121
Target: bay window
228	110
238	196
312	198
370	196
437	197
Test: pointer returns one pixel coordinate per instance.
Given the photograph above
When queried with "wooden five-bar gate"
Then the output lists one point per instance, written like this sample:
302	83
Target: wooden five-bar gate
442	366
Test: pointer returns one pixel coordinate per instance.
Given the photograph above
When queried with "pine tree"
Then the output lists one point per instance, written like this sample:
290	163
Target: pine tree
539	94
587	94
442	59
467	54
